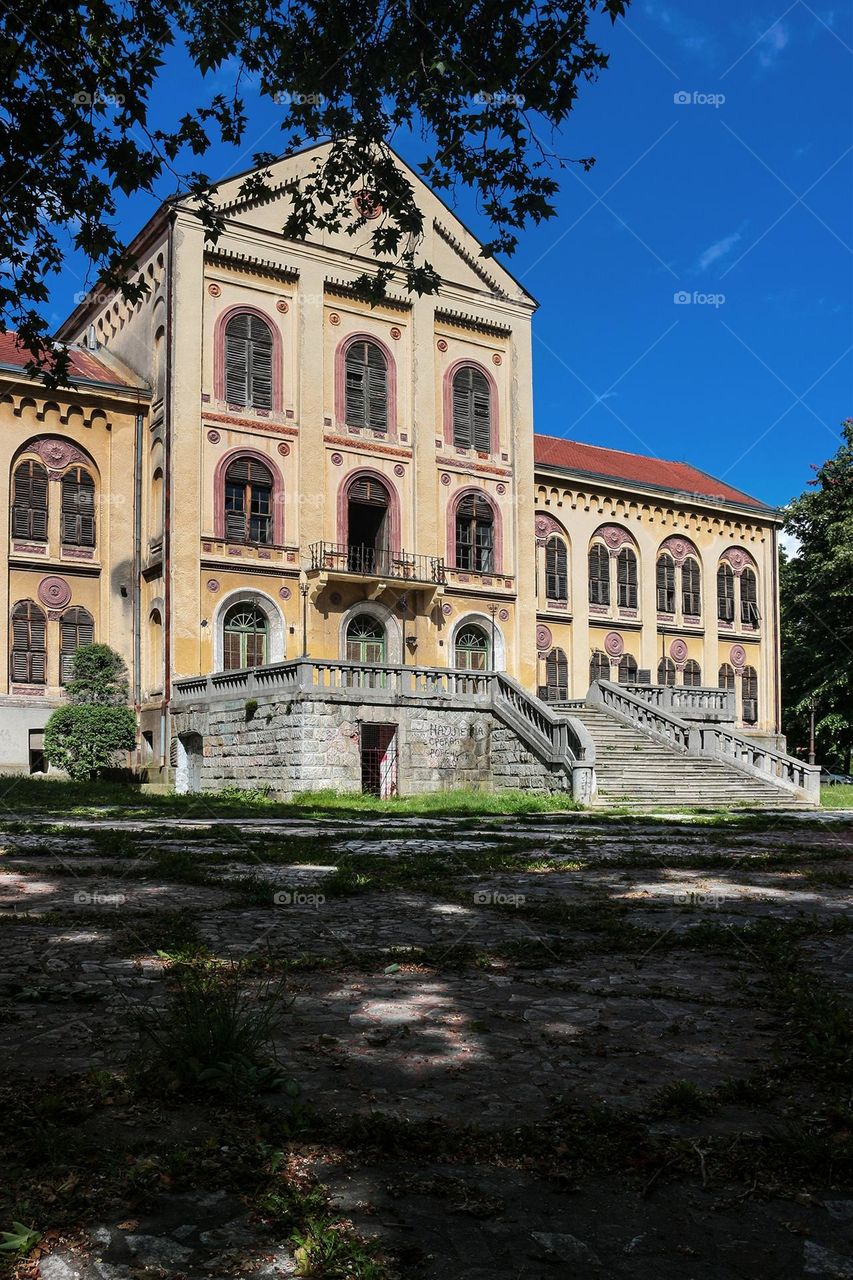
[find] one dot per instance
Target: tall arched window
(691, 588)
(749, 614)
(666, 671)
(475, 534)
(248, 502)
(692, 676)
(472, 410)
(726, 677)
(28, 659)
(29, 501)
(78, 508)
(599, 666)
(626, 579)
(665, 579)
(725, 593)
(245, 637)
(749, 689)
(556, 569)
(472, 648)
(366, 641)
(627, 669)
(366, 386)
(557, 675)
(599, 574)
(248, 361)
(76, 628)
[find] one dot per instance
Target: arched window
(725, 593)
(556, 569)
(726, 677)
(692, 675)
(627, 669)
(29, 501)
(472, 410)
(155, 652)
(76, 628)
(666, 671)
(749, 689)
(245, 637)
(472, 648)
(599, 574)
(366, 641)
(749, 614)
(626, 579)
(248, 501)
(475, 534)
(665, 578)
(366, 386)
(557, 675)
(78, 508)
(28, 662)
(691, 588)
(248, 361)
(599, 666)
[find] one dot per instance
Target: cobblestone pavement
(525, 1047)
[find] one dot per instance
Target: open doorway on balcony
(368, 521)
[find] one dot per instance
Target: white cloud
(790, 544)
(772, 43)
(718, 250)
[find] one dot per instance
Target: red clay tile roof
(83, 363)
(634, 467)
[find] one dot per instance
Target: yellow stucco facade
(437, 542)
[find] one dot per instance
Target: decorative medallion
(545, 526)
(337, 460)
(213, 437)
(212, 585)
(284, 593)
(441, 344)
(737, 559)
(678, 651)
(396, 333)
(399, 470)
(737, 656)
(366, 205)
(504, 615)
(54, 592)
(447, 609)
(57, 454)
(334, 318)
(282, 306)
(679, 549)
(613, 535)
(614, 645)
(544, 639)
(335, 598)
(445, 478)
(501, 489)
(214, 290)
(284, 450)
(496, 359)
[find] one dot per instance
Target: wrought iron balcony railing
(368, 562)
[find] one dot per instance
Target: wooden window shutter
(377, 388)
(556, 570)
(28, 663)
(356, 378)
(472, 416)
(462, 424)
(78, 508)
(76, 628)
(368, 491)
(260, 352)
(29, 501)
(237, 360)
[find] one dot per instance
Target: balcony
(332, 560)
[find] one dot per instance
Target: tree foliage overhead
(482, 82)
(817, 611)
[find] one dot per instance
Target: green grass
(838, 797)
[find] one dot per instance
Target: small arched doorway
(368, 526)
(245, 637)
(472, 648)
(365, 641)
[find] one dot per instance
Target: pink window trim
(393, 505)
(447, 392)
(219, 353)
(341, 379)
(219, 492)
(497, 527)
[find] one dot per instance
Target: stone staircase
(633, 768)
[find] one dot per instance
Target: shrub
(98, 675)
(83, 740)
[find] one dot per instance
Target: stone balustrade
(689, 702)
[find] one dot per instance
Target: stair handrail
(658, 723)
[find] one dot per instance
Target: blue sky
(724, 175)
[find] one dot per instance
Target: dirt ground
(528, 1047)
